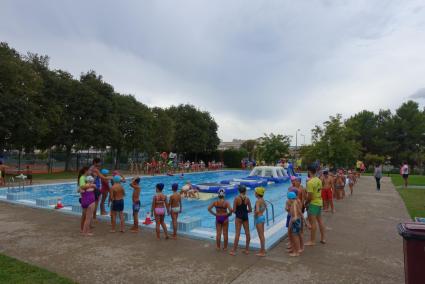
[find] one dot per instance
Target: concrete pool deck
(363, 247)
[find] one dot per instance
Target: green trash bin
(413, 234)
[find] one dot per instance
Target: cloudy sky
(257, 66)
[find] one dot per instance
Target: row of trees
(373, 137)
(43, 108)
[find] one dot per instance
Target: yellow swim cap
(260, 190)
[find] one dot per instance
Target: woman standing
(241, 207)
(378, 175)
(404, 171)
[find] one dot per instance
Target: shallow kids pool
(195, 221)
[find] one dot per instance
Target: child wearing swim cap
(159, 206)
(222, 213)
(295, 228)
(176, 207)
(117, 199)
(135, 185)
(259, 218)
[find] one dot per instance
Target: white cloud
(258, 67)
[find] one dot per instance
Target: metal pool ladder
(12, 184)
(267, 212)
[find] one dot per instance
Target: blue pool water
(275, 193)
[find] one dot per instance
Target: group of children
(319, 193)
(93, 183)
(321, 189)
(241, 208)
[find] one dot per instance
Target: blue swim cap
(292, 195)
(117, 179)
(104, 171)
(160, 186)
(174, 186)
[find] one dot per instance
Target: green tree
(273, 147)
(132, 126)
(333, 144)
(20, 85)
(232, 157)
(249, 146)
(364, 127)
(195, 131)
(408, 133)
(163, 130)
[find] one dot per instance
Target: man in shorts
(327, 192)
(315, 203)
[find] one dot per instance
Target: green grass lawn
(62, 175)
(414, 199)
(413, 180)
(15, 271)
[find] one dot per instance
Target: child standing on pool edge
(117, 198)
(259, 218)
(136, 203)
(222, 213)
(176, 207)
(242, 207)
(159, 205)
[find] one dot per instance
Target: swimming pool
(195, 220)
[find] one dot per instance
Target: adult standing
(315, 203)
(94, 171)
(378, 175)
(404, 171)
(3, 168)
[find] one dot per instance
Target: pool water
(192, 208)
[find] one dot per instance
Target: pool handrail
(267, 211)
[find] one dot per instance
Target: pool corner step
(47, 201)
(186, 223)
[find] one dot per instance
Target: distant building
(235, 144)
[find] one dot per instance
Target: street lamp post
(296, 142)
(296, 139)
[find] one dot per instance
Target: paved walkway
(363, 247)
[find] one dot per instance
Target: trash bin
(414, 251)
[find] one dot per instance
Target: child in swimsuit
(86, 189)
(340, 184)
(295, 225)
(135, 185)
(117, 198)
(104, 190)
(351, 181)
(176, 207)
(159, 206)
(241, 208)
(259, 218)
(222, 213)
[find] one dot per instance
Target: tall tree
(273, 147)
(132, 126)
(163, 130)
(334, 144)
(195, 131)
(20, 85)
(408, 132)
